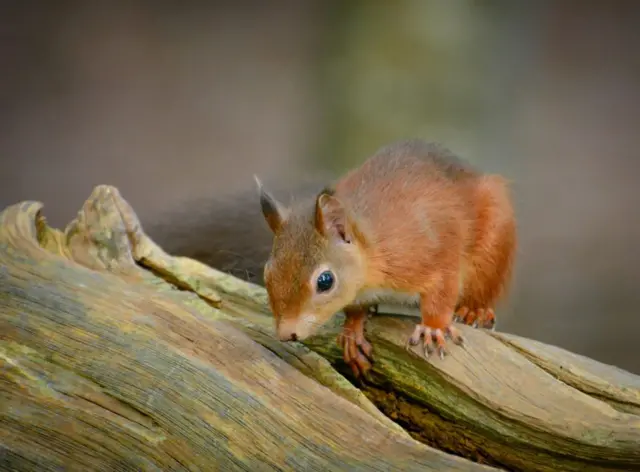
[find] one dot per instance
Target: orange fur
(412, 222)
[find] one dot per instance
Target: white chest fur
(388, 297)
(392, 301)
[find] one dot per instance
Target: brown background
(180, 103)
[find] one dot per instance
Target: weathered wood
(106, 365)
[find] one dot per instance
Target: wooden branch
(117, 356)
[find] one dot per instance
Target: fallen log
(117, 356)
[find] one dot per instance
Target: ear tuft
(331, 217)
(258, 182)
(273, 212)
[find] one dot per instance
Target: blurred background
(182, 102)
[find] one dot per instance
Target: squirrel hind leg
(478, 318)
(492, 253)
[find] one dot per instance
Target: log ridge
(117, 356)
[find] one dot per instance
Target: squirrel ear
(331, 217)
(273, 212)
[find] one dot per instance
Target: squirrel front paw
(434, 338)
(358, 352)
(479, 318)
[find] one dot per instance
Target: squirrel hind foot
(478, 318)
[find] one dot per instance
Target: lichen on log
(117, 356)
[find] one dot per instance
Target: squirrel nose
(287, 333)
(289, 337)
(288, 330)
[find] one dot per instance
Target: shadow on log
(117, 356)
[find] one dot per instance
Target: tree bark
(117, 356)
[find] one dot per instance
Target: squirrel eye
(324, 282)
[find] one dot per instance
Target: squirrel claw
(434, 339)
(358, 354)
(441, 353)
(479, 318)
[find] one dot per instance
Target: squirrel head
(317, 264)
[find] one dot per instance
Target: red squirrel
(412, 225)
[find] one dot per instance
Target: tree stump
(117, 356)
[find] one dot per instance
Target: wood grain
(117, 356)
